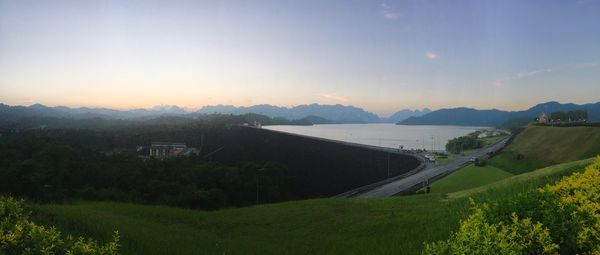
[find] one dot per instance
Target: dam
(319, 167)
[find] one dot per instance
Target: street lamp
(257, 179)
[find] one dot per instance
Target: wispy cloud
(525, 74)
(585, 65)
(334, 97)
(431, 55)
(520, 75)
(389, 12)
(531, 73)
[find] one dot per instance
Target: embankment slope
(541, 146)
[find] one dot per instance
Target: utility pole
(388, 175)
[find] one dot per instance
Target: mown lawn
(469, 177)
(396, 225)
(544, 146)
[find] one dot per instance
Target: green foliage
(469, 142)
(578, 115)
(43, 170)
(477, 235)
(18, 235)
(563, 220)
(563, 217)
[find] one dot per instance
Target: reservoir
(383, 135)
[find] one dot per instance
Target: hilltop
(541, 146)
(493, 117)
(308, 113)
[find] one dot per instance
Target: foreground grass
(469, 177)
(332, 226)
(320, 226)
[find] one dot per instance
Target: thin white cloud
(389, 12)
(520, 75)
(431, 55)
(334, 97)
(531, 73)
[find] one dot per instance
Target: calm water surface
(384, 135)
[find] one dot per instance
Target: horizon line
(196, 109)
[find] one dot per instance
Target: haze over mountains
(320, 113)
(330, 113)
(335, 113)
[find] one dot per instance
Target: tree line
(468, 142)
(569, 116)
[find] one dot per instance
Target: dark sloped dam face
(319, 168)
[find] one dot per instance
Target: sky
(382, 56)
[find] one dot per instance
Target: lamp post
(388, 168)
(258, 172)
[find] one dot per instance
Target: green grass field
(487, 141)
(516, 183)
(545, 146)
(320, 226)
(469, 177)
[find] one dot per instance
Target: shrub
(478, 236)
(18, 235)
(562, 220)
(563, 217)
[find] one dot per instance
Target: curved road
(429, 173)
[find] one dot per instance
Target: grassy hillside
(545, 146)
(320, 226)
(532, 179)
(469, 177)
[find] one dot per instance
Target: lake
(383, 135)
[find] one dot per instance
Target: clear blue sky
(379, 55)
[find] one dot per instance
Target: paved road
(429, 173)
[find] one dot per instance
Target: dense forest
(40, 168)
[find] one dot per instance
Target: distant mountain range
(405, 114)
(473, 117)
(313, 112)
(38, 110)
(334, 113)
